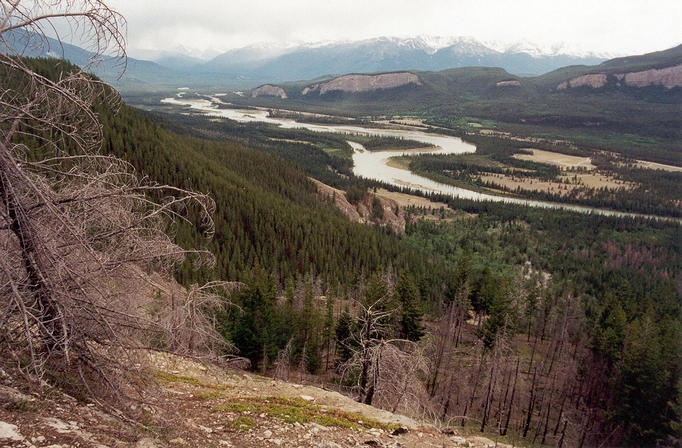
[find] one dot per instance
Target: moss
(297, 410)
(22, 406)
(209, 395)
(166, 377)
(242, 423)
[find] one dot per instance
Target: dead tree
(369, 336)
(531, 403)
(389, 371)
(511, 400)
(79, 230)
(284, 358)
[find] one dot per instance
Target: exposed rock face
(269, 90)
(392, 216)
(364, 83)
(202, 391)
(595, 81)
(511, 82)
(668, 77)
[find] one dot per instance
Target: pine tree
(253, 330)
(410, 314)
(328, 333)
(500, 313)
(643, 386)
(344, 329)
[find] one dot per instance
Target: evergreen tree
(253, 329)
(344, 329)
(501, 314)
(312, 354)
(376, 291)
(410, 314)
(462, 275)
(609, 332)
(328, 334)
(483, 291)
(643, 386)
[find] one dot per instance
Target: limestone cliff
(391, 216)
(668, 77)
(363, 83)
(510, 82)
(595, 81)
(269, 90)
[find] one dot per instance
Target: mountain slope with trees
(543, 326)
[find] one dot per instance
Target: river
(374, 164)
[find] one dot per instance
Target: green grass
(292, 410)
(464, 122)
(21, 405)
(338, 152)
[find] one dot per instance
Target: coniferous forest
(544, 326)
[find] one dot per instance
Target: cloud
(605, 26)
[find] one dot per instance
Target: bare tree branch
(80, 231)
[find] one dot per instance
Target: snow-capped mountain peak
(552, 49)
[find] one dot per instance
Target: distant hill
(109, 69)
(659, 69)
(170, 72)
(655, 77)
(634, 101)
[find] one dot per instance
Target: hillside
(573, 315)
(198, 404)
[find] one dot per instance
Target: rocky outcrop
(269, 90)
(363, 83)
(192, 404)
(595, 81)
(391, 216)
(511, 82)
(668, 77)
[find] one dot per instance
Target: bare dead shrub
(79, 229)
(387, 373)
(284, 359)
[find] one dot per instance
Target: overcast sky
(606, 26)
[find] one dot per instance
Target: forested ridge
(268, 214)
(543, 325)
(599, 266)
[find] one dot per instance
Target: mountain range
(266, 63)
(387, 54)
